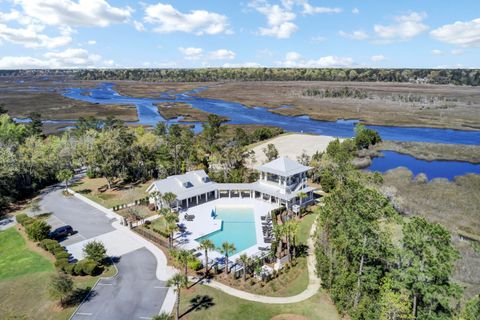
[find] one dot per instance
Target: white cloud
(138, 26)
(168, 19)
(355, 35)
(378, 58)
(466, 34)
(405, 27)
(15, 15)
(437, 52)
(70, 58)
(191, 53)
(295, 60)
(222, 54)
(92, 42)
(308, 8)
(355, 11)
(278, 18)
(74, 13)
(31, 36)
(457, 52)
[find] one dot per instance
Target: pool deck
(204, 224)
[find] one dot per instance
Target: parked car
(61, 232)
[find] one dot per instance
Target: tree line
(435, 76)
(375, 263)
(109, 149)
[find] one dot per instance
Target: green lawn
(24, 280)
(95, 190)
(16, 259)
(204, 303)
(304, 228)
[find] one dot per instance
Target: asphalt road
(135, 293)
(85, 219)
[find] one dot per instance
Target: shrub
(54, 248)
(78, 268)
(86, 267)
(194, 264)
(95, 250)
(151, 206)
(61, 263)
(91, 268)
(46, 243)
(62, 255)
(38, 230)
(91, 173)
(21, 218)
(148, 222)
(69, 269)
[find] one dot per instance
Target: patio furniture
(189, 217)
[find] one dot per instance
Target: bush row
(81, 268)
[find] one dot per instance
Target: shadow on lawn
(199, 302)
(77, 296)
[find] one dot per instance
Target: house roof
(283, 166)
(185, 185)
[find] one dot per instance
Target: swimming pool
(238, 227)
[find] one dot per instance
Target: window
(187, 184)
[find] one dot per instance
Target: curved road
(135, 292)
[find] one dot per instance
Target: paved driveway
(85, 219)
(135, 293)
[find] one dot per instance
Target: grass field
(172, 110)
(53, 106)
(460, 114)
(16, 259)
(433, 151)
(204, 303)
(25, 272)
(94, 189)
(453, 204)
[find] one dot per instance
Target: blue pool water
(433, 169)
(238, 227)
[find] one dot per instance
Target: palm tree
(169, 197)
(279, 232)
(301, 196)
(293, 229)
(171, 228)
(290, 230)
(156, 195)
(206, 245)
(226, 249)
(65, 175)
(184, 257)
(245, 261)
(178, 282)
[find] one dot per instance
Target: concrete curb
(163, 272)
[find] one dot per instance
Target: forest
(375, 262)
(109, 149)
(469, 77)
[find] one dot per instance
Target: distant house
(282, 181)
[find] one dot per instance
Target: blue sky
(283, 33)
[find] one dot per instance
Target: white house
(281, 182)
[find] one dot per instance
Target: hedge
(22, 217)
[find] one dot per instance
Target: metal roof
(283, 166)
